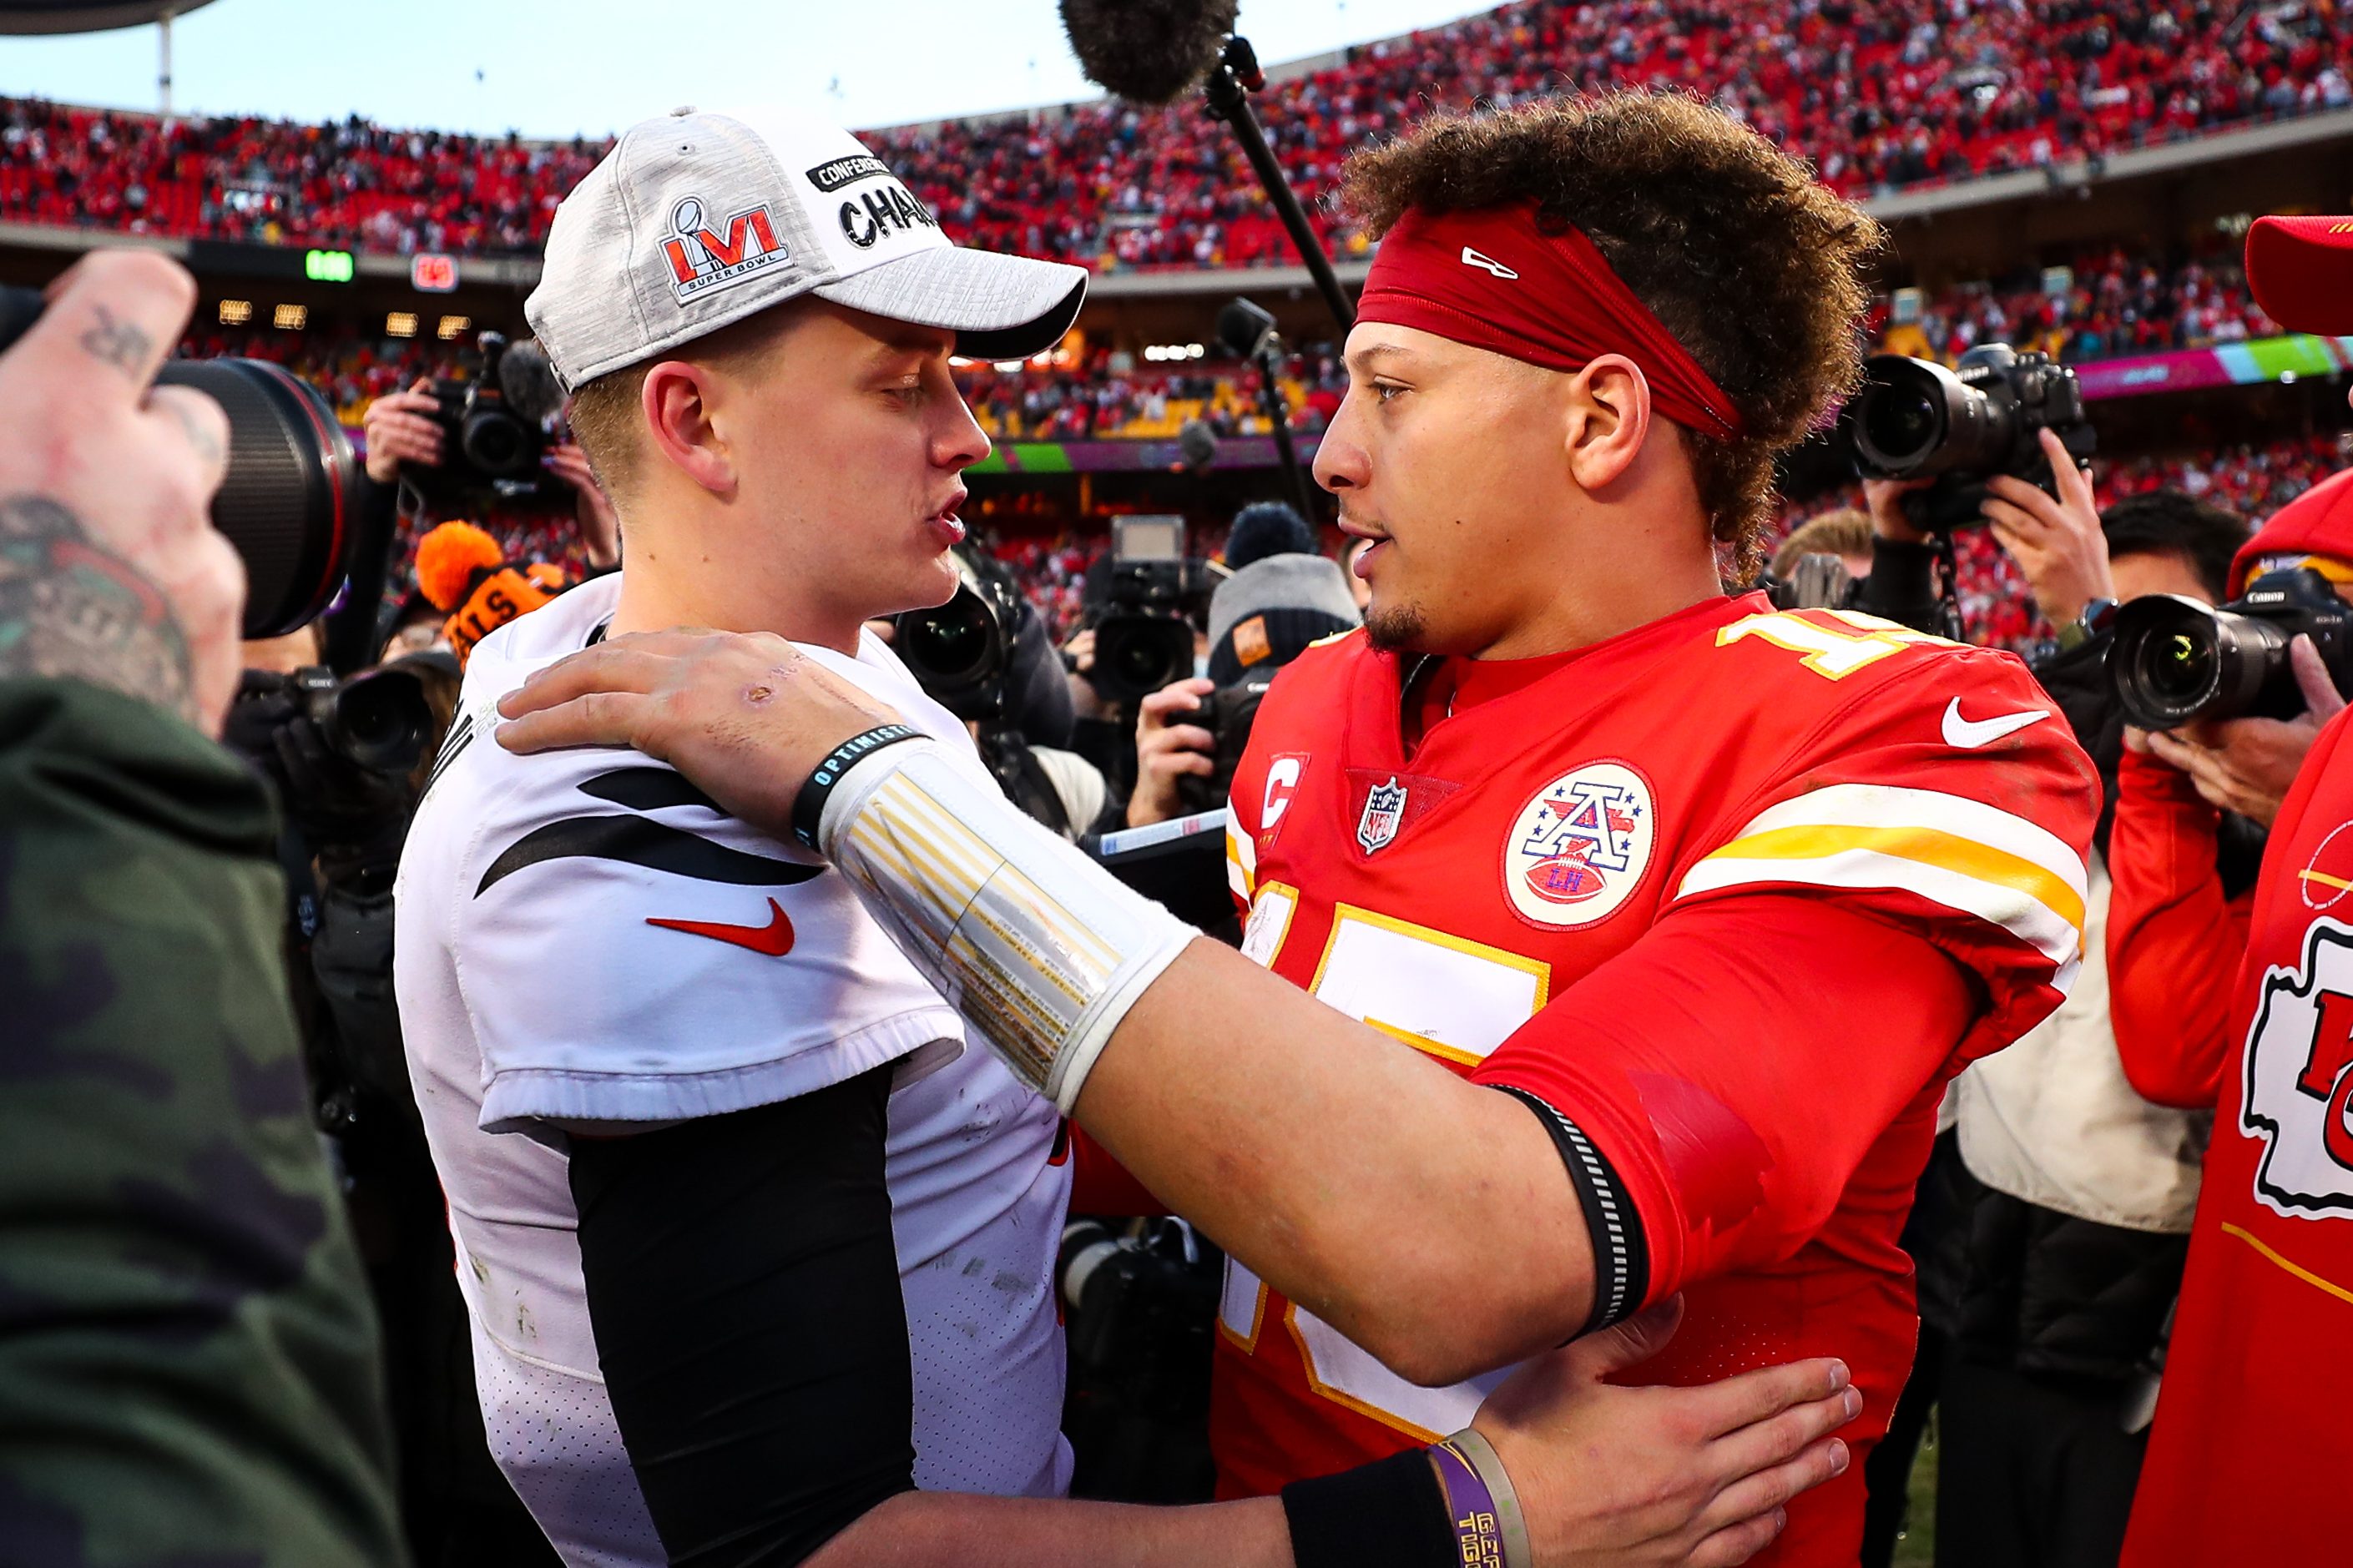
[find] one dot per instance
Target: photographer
(189, 1371)
(1282, 596)
(407, 431)
(345, 761)
(2179, 924)
(2248, 1446)
(2053, 1226)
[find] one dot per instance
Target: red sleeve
(1101, 1184)
(2174, 942)
(1724, 1077)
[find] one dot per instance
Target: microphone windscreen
(1147, 51)
(1198, 443)
(529, 381)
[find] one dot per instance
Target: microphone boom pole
(1227, 91)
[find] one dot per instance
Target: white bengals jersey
(582, 936)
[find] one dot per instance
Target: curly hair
(1755, 268)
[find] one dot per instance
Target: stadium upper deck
(1883, 97)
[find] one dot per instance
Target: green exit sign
(327, 265)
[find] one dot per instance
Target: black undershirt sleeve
(745, 1292)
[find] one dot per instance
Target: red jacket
(2246, 1460)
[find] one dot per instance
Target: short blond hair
(606, 415)
(1842, 534)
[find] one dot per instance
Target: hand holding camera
(600, 524)
(402, 427)
(109, 569)
(1168, 749)
(2245, 766)
(2055, 539)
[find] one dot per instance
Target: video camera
(1913, 419)
(493, 427)
(2176, 661)
(1145, 639)
(288, 502)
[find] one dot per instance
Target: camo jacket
(188, 1357)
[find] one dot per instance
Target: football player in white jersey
(753, 1247)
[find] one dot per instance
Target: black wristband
(1390, 1513)
(1621, 1252)
(808, 806)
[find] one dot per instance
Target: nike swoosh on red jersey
(1967, 734)
(774, 939)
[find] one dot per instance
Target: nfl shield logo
(1384, 807)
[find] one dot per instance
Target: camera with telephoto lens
(960, 651)
(377, 719)
(487, 441)
(289, 500)
(1913, 419)
(1145, 639)
(2176, 661)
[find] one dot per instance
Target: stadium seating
(1881, 96)
(2118, 302)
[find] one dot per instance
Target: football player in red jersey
(1643, 925)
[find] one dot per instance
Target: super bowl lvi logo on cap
(703, 260)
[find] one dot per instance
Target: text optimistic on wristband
(808, 806)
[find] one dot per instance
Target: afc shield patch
(2298, 1066)
(1579, 848)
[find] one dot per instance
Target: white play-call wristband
(1039, 948)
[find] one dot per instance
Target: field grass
(1917, 1547)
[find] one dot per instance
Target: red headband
(1494, 279)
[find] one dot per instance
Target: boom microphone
(1147, 51)
(528, 383)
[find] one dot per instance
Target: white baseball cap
(696, 220)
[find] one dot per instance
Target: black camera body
(377, 719)
(959, 652)
(1913, 419)
(1142, 1300)
(1227, 713)
(487, 443)
(2176, 661)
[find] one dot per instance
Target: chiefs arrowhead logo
(2299, 1078)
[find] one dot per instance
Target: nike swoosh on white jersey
(1970, 733)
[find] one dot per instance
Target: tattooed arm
(110, 570)
(70, 608)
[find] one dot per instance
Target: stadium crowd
(1881, 97)
(347, 1302)
(2110, 303)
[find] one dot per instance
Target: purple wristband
(1471, 1511)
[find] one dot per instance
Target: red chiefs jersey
(2250, 1444)
(1565, 889)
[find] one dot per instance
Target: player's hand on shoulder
(1633, 1477)
(745, 717)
